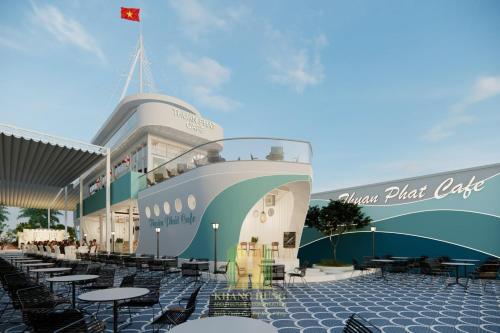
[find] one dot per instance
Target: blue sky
(382, 89)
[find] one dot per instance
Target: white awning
(35, 166)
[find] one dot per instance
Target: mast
(141, 62)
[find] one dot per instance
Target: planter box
(334, 270)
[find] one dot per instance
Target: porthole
(191, 202)
(166, 208)
(156, 210)
(148, 212)
(178, 205)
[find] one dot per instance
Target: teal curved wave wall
(447, 226)
(359, 244)
(229, 209)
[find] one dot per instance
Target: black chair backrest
(128, 281)
(237, 304)
(279, 272)
(37, 297)
(191, 304)
(356, 324)
(80, 269)
(83, 325)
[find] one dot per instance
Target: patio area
(402, 303)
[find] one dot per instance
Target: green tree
(4, 217)
(312, 216)
(37, 218)
(335, 219)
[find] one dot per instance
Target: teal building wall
(454, 226)
(124, 188)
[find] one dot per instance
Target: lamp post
(158, 242)
(113, 241)
(85, 238)
(215, 226)
(373, 229)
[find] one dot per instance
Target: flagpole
(141, 60)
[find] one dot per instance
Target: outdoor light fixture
(373, 229)
(215, 226)
(263, 215)
(158, 242)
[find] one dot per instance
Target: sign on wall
(463, 183)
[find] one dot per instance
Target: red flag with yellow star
(131, 14)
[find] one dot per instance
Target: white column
(101, 230)
(108, 199)
(65, 212)
(81, 202)
(130, 228)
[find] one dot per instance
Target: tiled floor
(401, 304)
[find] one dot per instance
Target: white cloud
(65, 29)
(483, 89)
(213, 100)
(294, 67)
(196, 19)
(205, 78)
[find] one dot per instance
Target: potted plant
(254, 239)
(333, 220)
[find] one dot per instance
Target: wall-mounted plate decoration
(270, 211)
(270, 200)
(289, 239)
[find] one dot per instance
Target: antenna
(139, 56)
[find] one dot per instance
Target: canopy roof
(34, 167)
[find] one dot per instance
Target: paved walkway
(401, 304)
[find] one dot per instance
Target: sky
(382, 89)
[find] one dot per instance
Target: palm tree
(4, 217)
(37, 218)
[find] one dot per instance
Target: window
(178, 205)
(191, 202)
(166, 208)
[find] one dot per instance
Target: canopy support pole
(130, 227)
(66, 212)
(108, 199)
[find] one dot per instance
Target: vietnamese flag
(131, 14)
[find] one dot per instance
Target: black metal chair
(128, 280)
(178, 314)
(56, 321)
(359, 267)
(190, 272)
(147, 301)
(300, 272)
(84, 325)
(487, 272)
(37, 303)
(105, 280)
(278, 274)
(357, 324)
(221, 270)
(238, 304)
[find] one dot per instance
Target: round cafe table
(51, 271)
(222, 324)
(457, 274)
(73, 279)
(25, 260)
(36, 264)
(383, 263)
(113, 295)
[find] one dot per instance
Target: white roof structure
(35, 167)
